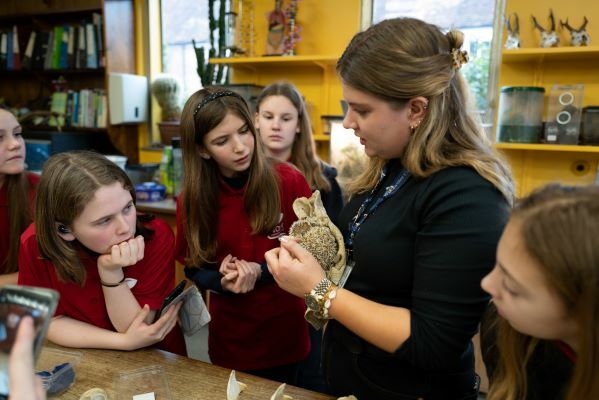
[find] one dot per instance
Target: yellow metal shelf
(554, 53)
(547, 147)
(278, 60)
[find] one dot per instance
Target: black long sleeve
(426, 249)
(205, 278)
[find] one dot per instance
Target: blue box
(37, 153)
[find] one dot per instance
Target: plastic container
(140, 173)
(177, 166)
(166, 169)
(121, 161)
(520, 117)
(590, 126)
(136, 382)
(57, 369)
(150, 191)
(563, 114)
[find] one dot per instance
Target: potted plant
(167, 92)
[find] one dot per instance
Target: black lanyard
(367, 209)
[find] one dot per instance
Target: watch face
(312, 302)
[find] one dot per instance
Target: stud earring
(63, 229)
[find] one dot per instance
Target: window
(474, 18)
(182, 21)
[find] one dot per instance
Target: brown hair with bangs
(201, 176)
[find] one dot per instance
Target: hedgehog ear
(302, 207)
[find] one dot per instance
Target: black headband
(214, 96)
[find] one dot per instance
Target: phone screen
(15, 303)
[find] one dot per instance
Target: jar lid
(507, 89)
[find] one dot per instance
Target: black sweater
(426, 249)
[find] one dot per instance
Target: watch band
(319, 299)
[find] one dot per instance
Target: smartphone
(15, 303)
(170, 299)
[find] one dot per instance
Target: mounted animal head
(549, 37)
(578, 37)
(513, 32)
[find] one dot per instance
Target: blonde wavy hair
(402, 58)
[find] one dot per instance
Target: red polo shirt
(263, 328)
(155, 275)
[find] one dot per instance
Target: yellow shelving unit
(589, 53)
(547, 147)
(312, 69)
(535, 165)
(295, 61)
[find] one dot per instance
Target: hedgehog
(318, 235)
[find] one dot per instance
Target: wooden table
(187, 378)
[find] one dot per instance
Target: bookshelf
(32, 86)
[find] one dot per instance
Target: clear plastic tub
(562, 124)
(57, 369)
(137, 382)
(520, 118)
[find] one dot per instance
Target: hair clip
(459, 58)
(214, 96)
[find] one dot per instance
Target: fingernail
(284, 239)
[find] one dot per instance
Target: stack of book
(68, 46)
(86, 108)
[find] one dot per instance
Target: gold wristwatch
(315, 299)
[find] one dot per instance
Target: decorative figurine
(275, 42)
(513, 33)
(293, 30)
(548, 38)
(578, 37)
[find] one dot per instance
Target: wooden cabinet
(326, 29)
(32, 87)
(535, 165)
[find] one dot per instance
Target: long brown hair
(201, 177)
(69, 181)
(20, 214)
(402, 58)
(559, 229)
(303, 151)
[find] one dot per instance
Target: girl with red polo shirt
(543, 342)
(112, 267)
(17, 193)
(234, 206)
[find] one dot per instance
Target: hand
(294, 269)
(227, 265)
(243, 278)
(140, 334)
(122, 255)
(24, 383)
